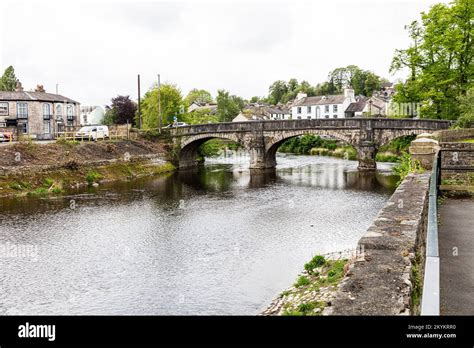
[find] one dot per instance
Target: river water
(211, 241)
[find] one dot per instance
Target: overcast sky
(95, 49)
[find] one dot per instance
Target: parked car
(6, 136)
(92, 132)
(177, 124)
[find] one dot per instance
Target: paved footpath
(456, 235)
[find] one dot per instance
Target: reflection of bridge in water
(262, 138)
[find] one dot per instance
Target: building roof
(35, 96)
(320, 100)
(358, 106)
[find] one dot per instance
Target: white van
(93, 132)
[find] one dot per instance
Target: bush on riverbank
(406, 166)
(303, 145)
(314, 289)
(346, 152)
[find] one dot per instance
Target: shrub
(315, 262)
(93, 176)
(406, 166)
(302, 281)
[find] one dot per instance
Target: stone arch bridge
(262, 138)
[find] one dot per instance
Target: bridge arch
(350, 137)
(384, 136)
(188, 152)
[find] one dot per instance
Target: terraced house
(37, 114)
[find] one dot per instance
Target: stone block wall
(386, 278)
(457, 167)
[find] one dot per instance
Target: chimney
(301, 95)
(18, 87)
(40, 88)
(349, 93)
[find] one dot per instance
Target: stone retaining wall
(457, 167)
(381, 281)
(454, 134)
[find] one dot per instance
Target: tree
(122, 110)
(199, 96)
(228, 106)
(466, 106)
(172, 105)
(200, 116)
(8, 81)
(363, 82)
(276, 91)
(439, 59)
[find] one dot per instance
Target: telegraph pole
(139, 113)
(160, 121)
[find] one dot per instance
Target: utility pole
(139, 113)
(160, 121)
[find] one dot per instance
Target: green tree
(439, 59)
(277, 91)
(466, 106)
(171, 105)
(199, 96)
(200, 116)
(109, 116)
(363, 82)
(8, 81)
(228, 106)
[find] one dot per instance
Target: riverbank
(53, 168)
(315, 288)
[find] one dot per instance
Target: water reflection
(216, 240)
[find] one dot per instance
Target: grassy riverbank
(59, 180)
(313, 290)
(37, 169)
(315, 145)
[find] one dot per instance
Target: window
(308, 117)
(46, 127)
(326, 108)
(59, 111)
(22, 110)
(46, 111)
(24, 127)
(298, 110)
(308, 109)
(70, 123)
(70, 112)
(3, 109)
(318, 112)
(334, 116)
(334, 108)
(327, 116)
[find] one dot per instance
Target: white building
(325, 106)
(91, 115)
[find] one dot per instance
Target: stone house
(37, 114)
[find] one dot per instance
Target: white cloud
(94, 50)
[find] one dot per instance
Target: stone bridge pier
(262, 138)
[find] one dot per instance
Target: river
(211, 241)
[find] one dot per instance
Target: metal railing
(430, 297)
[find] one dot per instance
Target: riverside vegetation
(30, 169)
(313, 290)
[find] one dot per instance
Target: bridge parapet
(282, 125)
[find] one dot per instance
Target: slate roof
(320, 100)
(35, 96)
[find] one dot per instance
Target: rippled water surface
(213, 241)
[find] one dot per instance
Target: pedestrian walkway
(456, 251)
